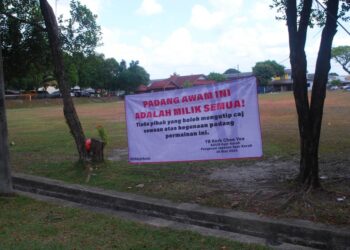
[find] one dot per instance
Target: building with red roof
(141, 89)
(178, 82)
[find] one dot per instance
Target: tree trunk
(96, 150)
(68, 107)
(323, 67)
(5, 171)
(309, 116)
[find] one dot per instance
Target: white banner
(219, 121)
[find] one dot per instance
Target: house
(285, 82)
(282, 83)
(176, 81)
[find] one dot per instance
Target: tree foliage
(80, 32)
(341, 55)
(216, 77)
(317, 13)
(265, 70)
(27, 57)
(232, 71)
(24, 44)
(131, 77)
(336, 83)
(97, 72)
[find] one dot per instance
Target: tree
(90, 71)
(111, 71)
(299, 17)
(129, 78)
(231, 71)
(217, 77)
(27, 58)
(72, 73)
(57, 55)
(341, 55)
(265, 70)
(25, 46)
(81, 34)
(5, 172)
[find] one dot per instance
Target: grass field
(42, 145)
(27, 224)
(278, 120)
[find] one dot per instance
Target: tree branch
(41, 28)
(304, 22)
(343, 64)
(291, 14)
(346, 69)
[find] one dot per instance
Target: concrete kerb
(275, 231)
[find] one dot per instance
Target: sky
(196, 36)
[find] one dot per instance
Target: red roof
(176, 81)
(203, 82)
(142, 88)
(162, 84)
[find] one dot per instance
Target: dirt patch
(264, 186)
(259, 175)
(268, 187)
(269, 173)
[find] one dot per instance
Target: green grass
(43, 146)
(28, 224)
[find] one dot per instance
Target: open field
(28, 224)
(42, 145)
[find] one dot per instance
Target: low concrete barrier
(275, 231)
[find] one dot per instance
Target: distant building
(282, 83)
(285, 82)
(175, 82)
(141, 89)
(236, 76)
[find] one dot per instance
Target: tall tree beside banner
(5, 172)
(299, 16)
(57, 56)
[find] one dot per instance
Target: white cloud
(94, 5)
(202, 19)
(216, 14)
(176, 49)
(262, 11)
(227, 5)
(148, 43)
(62, 7)
(149, 7)
(240, 38)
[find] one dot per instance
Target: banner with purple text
(218, 121)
